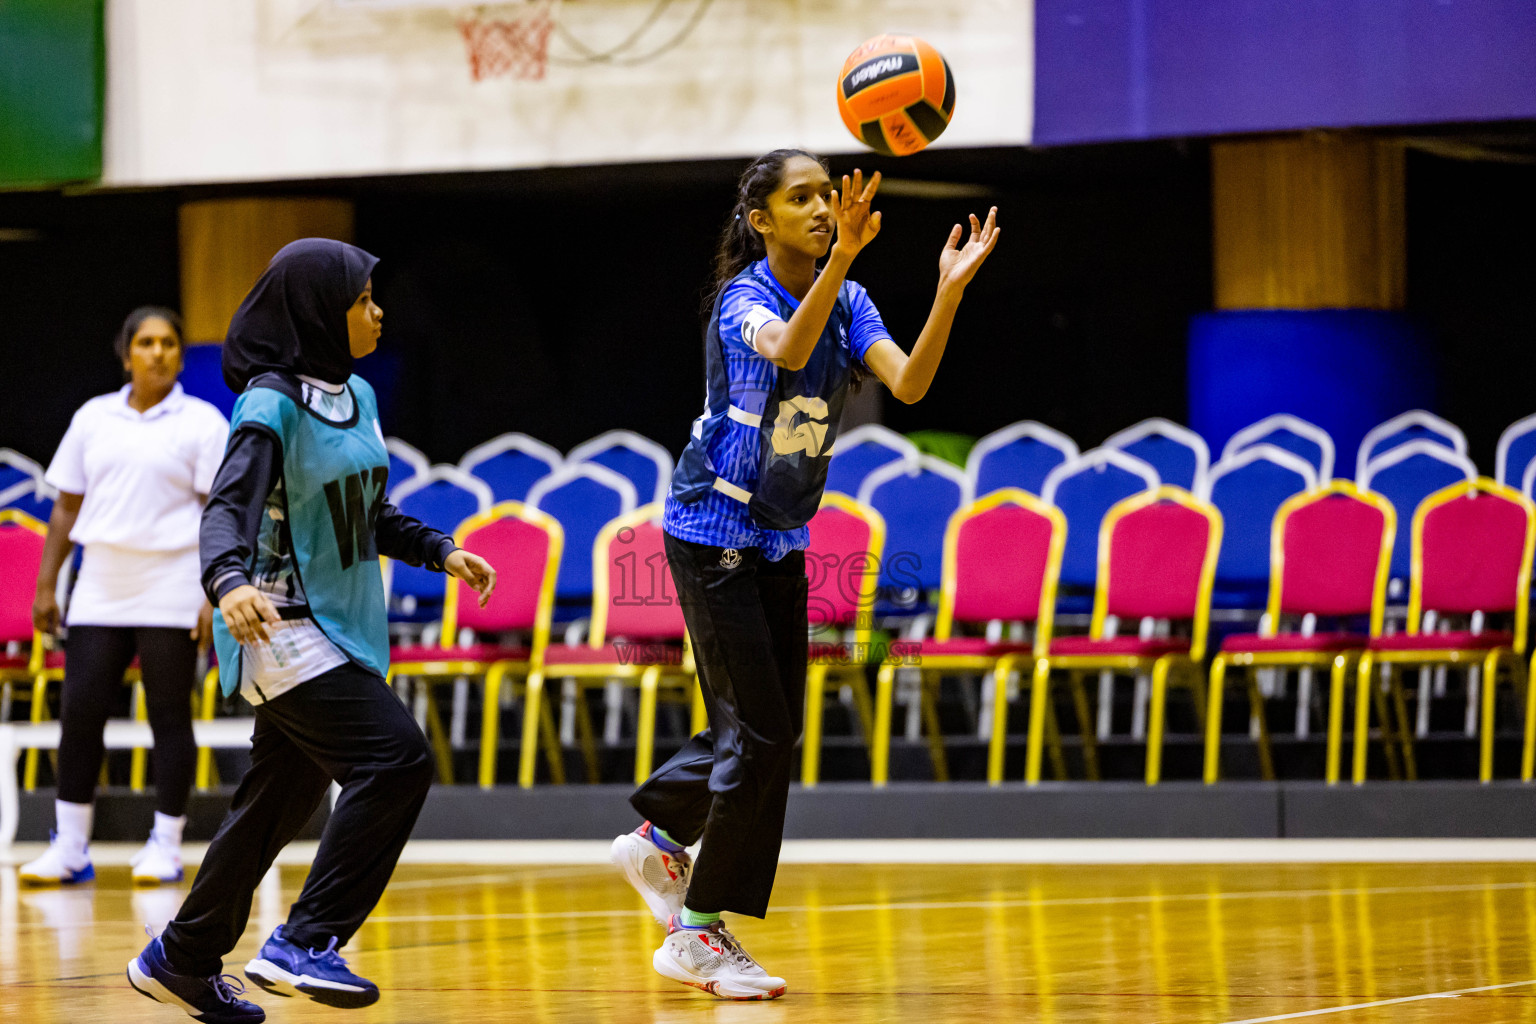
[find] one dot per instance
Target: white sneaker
(65, 862)
(712, 960)
(661, 878)
(157, 864)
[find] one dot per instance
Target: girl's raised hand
(958, 265)
(857, 225)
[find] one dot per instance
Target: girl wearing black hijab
(290, 544)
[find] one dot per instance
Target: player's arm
(909, 376)
(231, 527)
(789, 343)
(56, 548)
(407, 539)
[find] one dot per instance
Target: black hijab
(295, 318)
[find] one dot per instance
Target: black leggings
(346, 725)
(730, 783)
(93, 683)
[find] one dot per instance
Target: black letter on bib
(354, 539)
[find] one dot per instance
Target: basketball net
(508, 40)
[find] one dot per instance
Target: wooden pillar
(227, 243)
(1311, 221)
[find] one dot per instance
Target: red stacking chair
(842, 565)
(637, 632)
(1002, 557)
(23, 658)
(1330, 553)
(524, 545)
(1157, 561)
(1472, 546)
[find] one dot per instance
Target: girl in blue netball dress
(290, 545)
(783, 342)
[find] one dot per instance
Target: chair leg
(1213, 719)
(39, 714)
(490, 723)
(645, 728)
(552, 749)
(810, 746)
(438, 737)
(1256, 713)
(880, 748)
(1159, 705)
(1085, 723)
(139, 766)
(1362, 714)
(1528, 752)
(1338, 675)
(997, 745)
(1053, 744)
(863, 704)
(205, 770)
(527, 755)
(1388, 730)
(930, 710)
(1490, 681)
(586, 736)
(1405, 728)
(1039, 699)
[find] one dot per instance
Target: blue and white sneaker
(286, 969)
(65, 862)
(214, 1000)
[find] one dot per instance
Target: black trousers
(730, 783)
(344, 725)
(93, 686)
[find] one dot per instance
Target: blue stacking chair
(1406, 475)
(582, 497)
(511, 464)
(1084, 489)
(1180, 456)
(1248, 487)
(1020, 455)
(405, 461)
(863, 450)
(916, 498)
(442, 497)
(1516, 454)
(22, 487)
(1413, 425)
(640, 460)
(1293, 434)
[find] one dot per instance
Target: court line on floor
(1451, 994)
(560, 853)
(1067, 901)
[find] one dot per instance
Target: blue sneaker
(212, 1000)
(284, 968)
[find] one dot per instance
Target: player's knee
(415, 766)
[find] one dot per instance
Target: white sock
(73, 823)
(167, 830)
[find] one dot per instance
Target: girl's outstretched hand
(958, 265)
(857, 225)
(475, 571)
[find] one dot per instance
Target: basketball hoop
(508, 41)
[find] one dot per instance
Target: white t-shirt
(144, 475)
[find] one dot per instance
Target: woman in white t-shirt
(133, 472)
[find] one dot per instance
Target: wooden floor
(922, 943)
